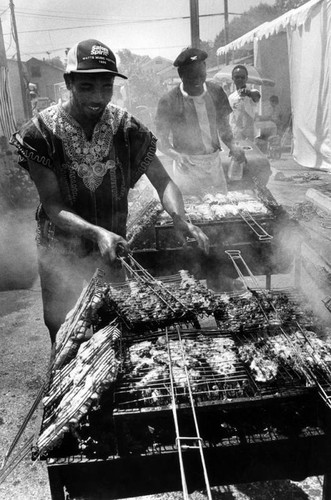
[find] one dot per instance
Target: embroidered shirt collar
(110, 117)
(185, 94)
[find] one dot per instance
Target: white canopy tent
(308, 30)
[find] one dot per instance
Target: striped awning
(290, 20)
(7, 118)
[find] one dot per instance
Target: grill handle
(260, 232)
(235, 256)
(327, 302)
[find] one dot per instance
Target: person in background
(189, 121)
(84, 156)
(117, 98)
(244, 105)
(274, 114)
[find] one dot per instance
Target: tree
(253, 18)
(209, 48)
(285, 5)
(144, 87)
(56, 61)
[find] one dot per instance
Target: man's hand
(184, 229)
(245, 92)
(238, 154)
(252, 94)
(183, 161)
(111, 245)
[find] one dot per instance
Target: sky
(146, 27)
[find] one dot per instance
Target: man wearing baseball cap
(84, 155)
(189, 121)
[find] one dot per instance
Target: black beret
(190, 55)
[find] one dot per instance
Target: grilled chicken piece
(210, 198)
(263, 368)
(180, 377)
(142, 365)
(298, 350)
(156, 374)
(223, 363)
(140, 349)
(253, 207)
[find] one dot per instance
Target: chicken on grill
(262, 367)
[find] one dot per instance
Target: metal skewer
(195, 441)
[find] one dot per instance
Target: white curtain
(310, 75)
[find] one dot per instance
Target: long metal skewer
(11, 465)
(197, 440)
(149, 279)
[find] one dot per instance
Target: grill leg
(58, 490)
(268, 281)
(327, 487)
(297, 267)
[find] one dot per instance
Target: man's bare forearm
(169, 194)
(58, 212)
(70, 222)
(172, 200)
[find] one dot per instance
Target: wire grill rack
(302, 344)
(216, 374)
(145, 303)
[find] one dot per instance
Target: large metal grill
(257, 235)
(191, 392)
(232, 224)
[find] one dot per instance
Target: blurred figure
(273, 113)
(117, 98)
(270, 127)
(244, 105)
(189, 121)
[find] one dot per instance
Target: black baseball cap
(92, 56)
(189, 56)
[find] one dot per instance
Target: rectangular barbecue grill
(204, 417)
(258, 236)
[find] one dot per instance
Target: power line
(118, 23)
(115, 50)
(30, 14)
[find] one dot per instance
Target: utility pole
(26, 106)
(3, 57)
(226, 27)
(194, 17)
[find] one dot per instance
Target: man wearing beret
(84, 155)
(189, 121)
(244, 104)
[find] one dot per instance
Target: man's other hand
(185, 229)
(183, 161)
(238, 154)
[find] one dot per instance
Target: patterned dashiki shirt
(94, 175)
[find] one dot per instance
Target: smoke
(298, 266)
(18, 260)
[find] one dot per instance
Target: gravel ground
(25, 350)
